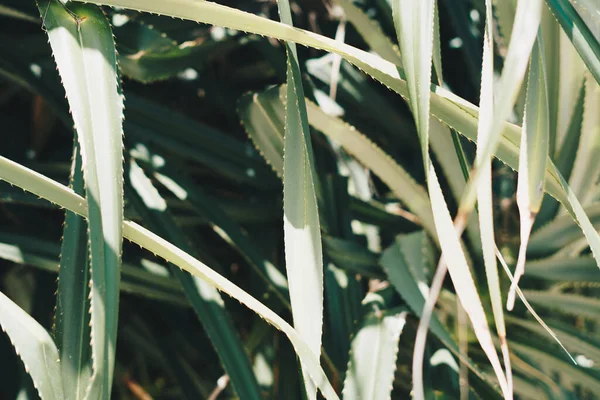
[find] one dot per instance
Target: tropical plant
(192, 140)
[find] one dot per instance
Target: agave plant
(213, 131)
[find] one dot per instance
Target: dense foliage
(324, 186)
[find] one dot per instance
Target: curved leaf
(35, 347)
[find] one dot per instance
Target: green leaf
(147, 55)
(484, 190)
(570, 375)
(230, 231)
(35, 347)
(408, 265)
(72, 326)
(84, 49)
(352, 257)
(261, 115)
(454, 111)
(302, 233)
(584, 344)
(29, 251)
(414, 27)
(534, 155)
(373, 357)
(586, 170)
(577, 30)
(371, 32)
(572, 304)
(559, 233)
(204, 298)
(59, 194)
(196, 141)
(580, 269)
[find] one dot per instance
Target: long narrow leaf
(72, 327)
(484, 190)
(583, 39)
(414, 27)
(534, 155)
(35, 347)
(302, 233)
(84, 50)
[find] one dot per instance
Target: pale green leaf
(35, 347)
(534, 155)
(373, 355)
(484, 190)
(579, 32)
(84, 51)
(371, 32)
(302, 233)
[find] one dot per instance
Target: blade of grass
(84, 50)
(534, 154)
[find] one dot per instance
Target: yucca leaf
(570, 374)
(484, 190)
(577, 30)
(565, 154)
(352, 257)
(525, 28)
(147, 55)
(72, 326)
(572, 72)
(227, 229)
(408, 264)
(580, 269)
(373, 356)
(302, 233)
(414, 27)
(205, 299)
(568, 303)
(454, 111)
(35, 347)
(559, 233)
(84, 50)
(586, 170)
(577, 341)
(371, 32)
(534, 155)
(136, 281)
(550, 31)
(261, 115)
(59, 194)
(196, 141)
